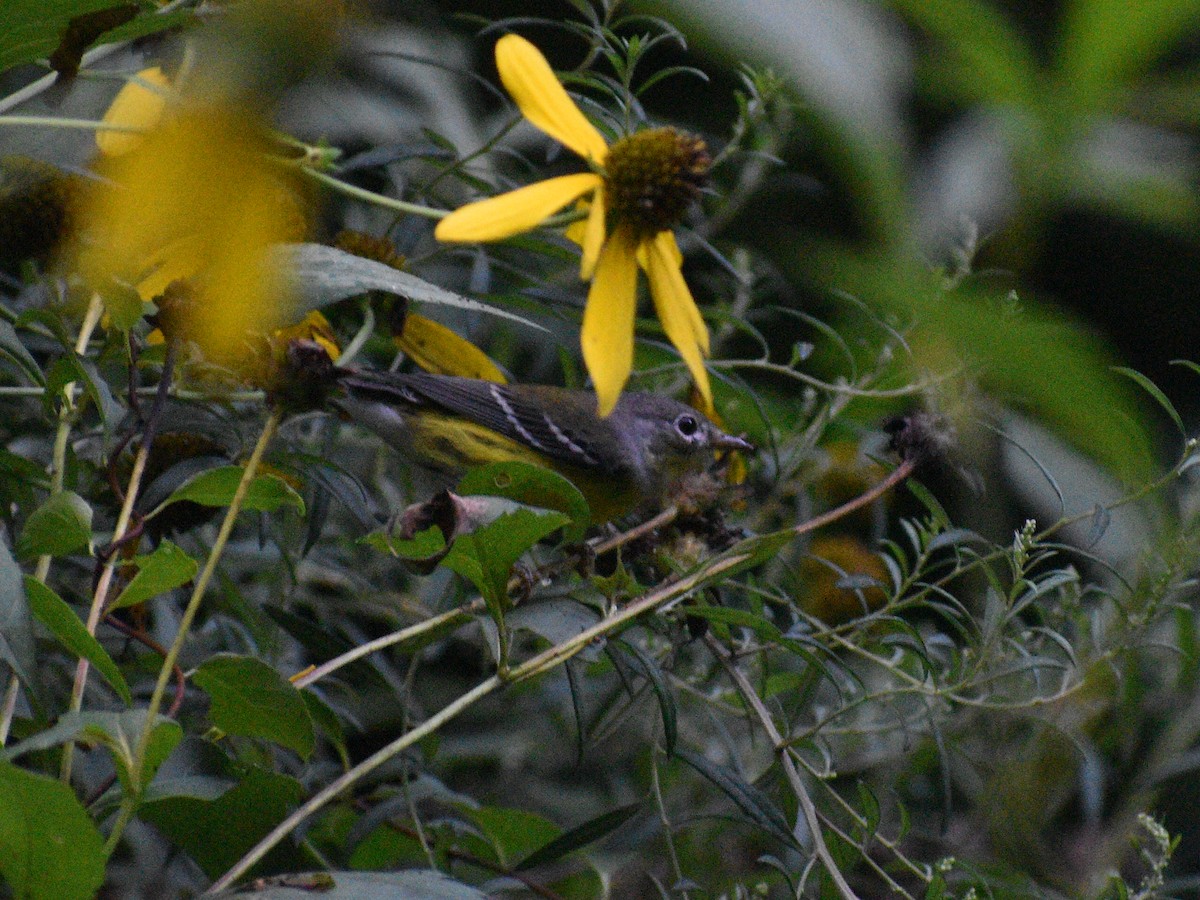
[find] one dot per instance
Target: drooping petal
(607, 333)
(531, 83)
(436, 348)
(139, 104)
(593, 235)
(521, 210)
(677, 311)
(668, 245)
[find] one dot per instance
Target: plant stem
(789, 766)
(463, 612)
(350, 190)
(368, 765)
(130, 802)
(77, 124)
(100, 594)
(66, 414)
(468, 609)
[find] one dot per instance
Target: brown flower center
(652, 177)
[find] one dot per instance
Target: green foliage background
(996, 696)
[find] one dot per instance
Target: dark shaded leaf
(14, 351)
(749, 799)
(217, 833)
(1154, 391)
(662, 690)
(580, 836)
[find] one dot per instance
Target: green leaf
(421, 546)
(1153, 390)
(217, 833)
(725, 615)
(53, 612)
(666, 700)
(216, 487)
(322, 275)
(485, 557)
(980, 57)
(123, 304)
(1106, 42)
(580, 836)
(749, 799)
(532, 486)
(15, 352)
(31, 29)
(49, 846)
(165, 569)
(16, 626)
(513, 833)
(59, 526)
(328, 722)
(251, 699)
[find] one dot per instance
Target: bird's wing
(528, 420)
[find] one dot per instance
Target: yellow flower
(139, 104)
(197, 199)
(637, 191)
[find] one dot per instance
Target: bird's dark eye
(687, 425)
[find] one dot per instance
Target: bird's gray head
(671, 439)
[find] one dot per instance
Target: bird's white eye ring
(687, 425)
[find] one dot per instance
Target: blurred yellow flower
(195, 197)
(636, 193)
(139, 104)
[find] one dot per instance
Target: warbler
(640, 453)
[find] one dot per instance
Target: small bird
(639, 454)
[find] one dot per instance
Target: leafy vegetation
(936, 638)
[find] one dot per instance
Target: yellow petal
(521, 210)
(607, 333)
(135, 106)
(593, 235)
(576, 231)
(531, 83)
(313, 327)
(183, 257)
(667, 245)
(670, 247)
(435, 348)
(677, 311)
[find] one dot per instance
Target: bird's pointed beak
(730, 442)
